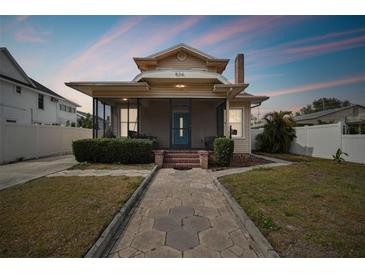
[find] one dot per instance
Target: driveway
(21, 172)
(183, 214)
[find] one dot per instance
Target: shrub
(223, 151)
(278, 133)
(338, 156)
(113, 150)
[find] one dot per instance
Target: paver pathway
(183, 214)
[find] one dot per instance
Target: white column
(226, 130)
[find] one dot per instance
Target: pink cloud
(232, 28)
(330, 46)
(304, 48)
(29, 34)
(316, 86)
(110, 57)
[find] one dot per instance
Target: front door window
(181, 128)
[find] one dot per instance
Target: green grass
(312, 208)
(99, 166)
(59, 216)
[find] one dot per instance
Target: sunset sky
(292, 59)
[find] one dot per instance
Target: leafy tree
(85, 122)
(278, 132)
(323, 104)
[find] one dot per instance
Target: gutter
(257, 105)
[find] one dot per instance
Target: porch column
(226, 128)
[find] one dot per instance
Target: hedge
(223, 151)
(113, 150)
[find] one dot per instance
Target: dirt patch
(240, 160)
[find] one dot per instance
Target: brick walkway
(183, 214)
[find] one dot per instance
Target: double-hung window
(236, 122)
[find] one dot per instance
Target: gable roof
(17, 66)
(319, 114)
(30, 82)
(151, 60)
(179, 47)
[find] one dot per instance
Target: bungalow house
(181, 100)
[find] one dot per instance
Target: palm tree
(278, 132)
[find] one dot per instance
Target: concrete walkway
(183, 214)
(21, 172)
(103, 172)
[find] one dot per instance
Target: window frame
(16, 89)
(126, 121)
(243, 135)
(40, 105)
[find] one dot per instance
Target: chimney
(239, 72)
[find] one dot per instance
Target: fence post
(340, 131)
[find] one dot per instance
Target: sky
(292, 59)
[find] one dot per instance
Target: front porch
(183, 123)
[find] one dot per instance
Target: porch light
(180, 86)
(125, 99)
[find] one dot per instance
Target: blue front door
(181, 129)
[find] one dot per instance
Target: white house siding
(7, 68)
(203, 121)
(23, 107)
(155, 120)
(243, 145)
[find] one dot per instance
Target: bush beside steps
(113, 150)
(223, 151)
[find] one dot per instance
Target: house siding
(190, 62)
(243, 145)
(155, 120)
(203, 121)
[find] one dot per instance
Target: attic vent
(54, 99)
(181, 56)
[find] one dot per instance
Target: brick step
(181, 155)
(181, 160)
(181, 151)
(180, 165)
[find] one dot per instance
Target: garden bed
(241, 160)
(60, 216)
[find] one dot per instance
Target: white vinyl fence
(33, 141)
(323, 141)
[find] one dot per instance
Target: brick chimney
(239, 71)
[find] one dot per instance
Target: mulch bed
(242, 160)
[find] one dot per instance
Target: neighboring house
(352, 118)
(180, 98)
(25, 101)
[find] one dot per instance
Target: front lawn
(59, 216)
(312, 208)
